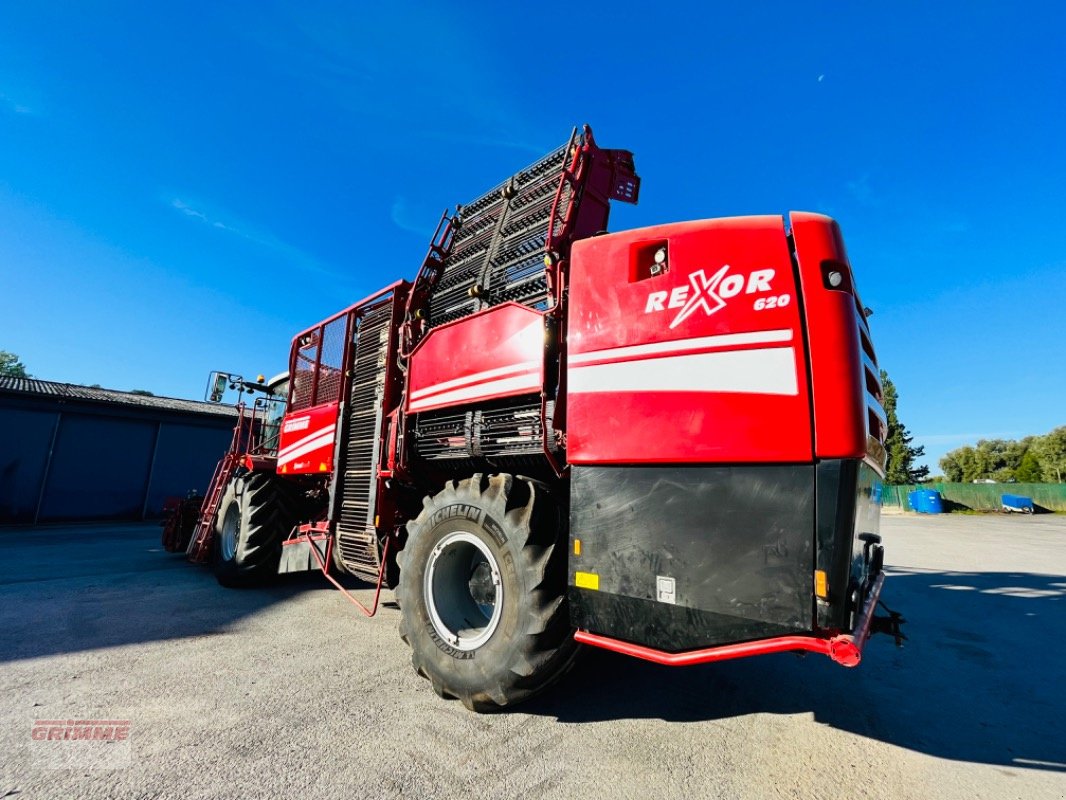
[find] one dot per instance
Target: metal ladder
(199, 548)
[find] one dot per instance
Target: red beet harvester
(667, 442)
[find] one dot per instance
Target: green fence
(982, 496)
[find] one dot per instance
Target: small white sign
(666, 589)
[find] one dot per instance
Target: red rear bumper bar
(844, 649)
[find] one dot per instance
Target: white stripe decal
(681, 345)
(302, 441)
(477, 377)
(770, 370)
(515, 384)
(311, 446)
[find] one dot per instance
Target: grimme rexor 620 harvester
(666, 442)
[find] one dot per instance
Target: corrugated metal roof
(32, 386)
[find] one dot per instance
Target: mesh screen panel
(303, 376)
(331, 364)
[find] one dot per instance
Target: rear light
(836, 275)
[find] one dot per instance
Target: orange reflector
(577, 547)
(322, 466)
(821, 584)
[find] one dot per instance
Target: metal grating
(356, 535)
(506, 432)
(508, 246)
(497, 253)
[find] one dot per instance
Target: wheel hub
(231, 532)
(463, 591)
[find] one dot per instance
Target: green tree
(954, 464)
(142, 392)
(999, 458)
(1029, 470)
(1050, 451)
(11, 367)
(965, 464)
(901, 453)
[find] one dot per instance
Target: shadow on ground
(981, 678)
(75, 588)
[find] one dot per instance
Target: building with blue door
(73, 453)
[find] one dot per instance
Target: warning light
(821, 584)
(577, 547)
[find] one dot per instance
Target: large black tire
(255, 516)
(482, 592)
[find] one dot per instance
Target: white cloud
(411, 220)
(256, 236)
(962, 438)
(861, 190)
(501, 142)
(377, 63)
(13, 105)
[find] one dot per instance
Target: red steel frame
(321, 415)
(319, 532)
(844, 649)
(320, 326)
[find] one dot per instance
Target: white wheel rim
(463, 591)
(231, 532)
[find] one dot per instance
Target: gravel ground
(286, 691)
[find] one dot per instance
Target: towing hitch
(889, 624)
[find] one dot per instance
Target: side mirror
(216, 386)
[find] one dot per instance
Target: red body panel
(491, 354)
(843, 413)
(704, 362)
(307, 441)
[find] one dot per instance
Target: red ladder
(200, 543)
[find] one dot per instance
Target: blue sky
(184, 186)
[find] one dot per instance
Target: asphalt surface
(286, 691)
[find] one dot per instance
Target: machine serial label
(665, 590)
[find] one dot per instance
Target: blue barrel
(926, 501)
